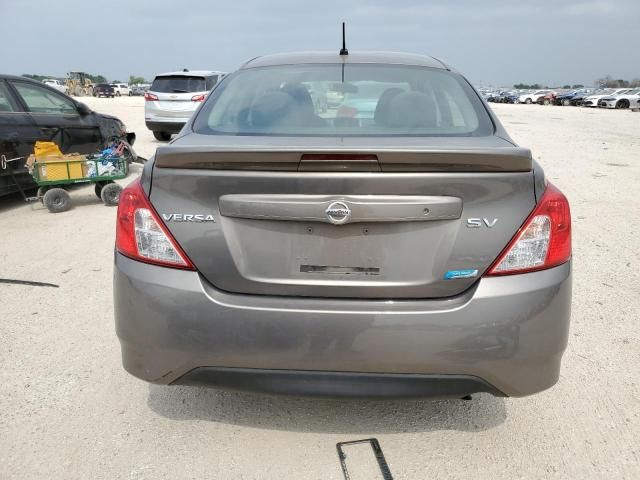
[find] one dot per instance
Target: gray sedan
(413, 251)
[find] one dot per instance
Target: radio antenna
(344, 50)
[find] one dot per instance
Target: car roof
(191, 73)
(4, 76)
(395, 58)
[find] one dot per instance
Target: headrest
(382, 107)
(270, 108)
(411, 110)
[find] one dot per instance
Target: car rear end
(103, 90)
(173, 97)
(419, 252)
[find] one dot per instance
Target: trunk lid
(299, 217)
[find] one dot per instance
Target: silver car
(173, 97)
(417, 251)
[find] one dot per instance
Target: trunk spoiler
(500, 159)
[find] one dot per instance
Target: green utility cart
(53, 176)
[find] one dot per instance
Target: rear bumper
(170, 125)
(338, 384)
(506, 336)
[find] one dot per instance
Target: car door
(17, 135)
(17, 130)
(57, 118)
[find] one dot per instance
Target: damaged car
(31, 111)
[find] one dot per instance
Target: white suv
(57, 84)
(173, 97)
(121, 89)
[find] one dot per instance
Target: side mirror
(83, 109)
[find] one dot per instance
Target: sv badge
(479, 222)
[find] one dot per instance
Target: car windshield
(349, 100)
(178, 84)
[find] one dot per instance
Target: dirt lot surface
(69, 411)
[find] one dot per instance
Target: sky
(491, 42)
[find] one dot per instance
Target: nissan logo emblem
(338, 213)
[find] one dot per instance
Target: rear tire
(110, 194)
(162, 136)
(57, 200)
(546, 101)
(99, 186)
(528, 101)
(117, 94)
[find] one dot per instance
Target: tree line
(537, 86)
(605, 82)
(609, 82)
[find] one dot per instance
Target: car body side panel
(509, 331)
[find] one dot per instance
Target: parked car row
(620, 98)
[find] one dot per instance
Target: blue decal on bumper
(453, 274)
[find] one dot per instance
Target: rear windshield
(178, 84)
(349, 100)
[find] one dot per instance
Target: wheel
(117, 94)
(89, 91)
(57, 200)
(95, 94)
(546, 101)
(528, 101)
(622, 104)
(130, 94)
(77, 91)
(566, 102)
(110, 194)
(162, 136)
(99, 186)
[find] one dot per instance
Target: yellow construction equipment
(79, 84)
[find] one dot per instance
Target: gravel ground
(70, 411)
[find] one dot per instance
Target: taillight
(150, 97)
(141, 235)
(197, 98)
(543, 241)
